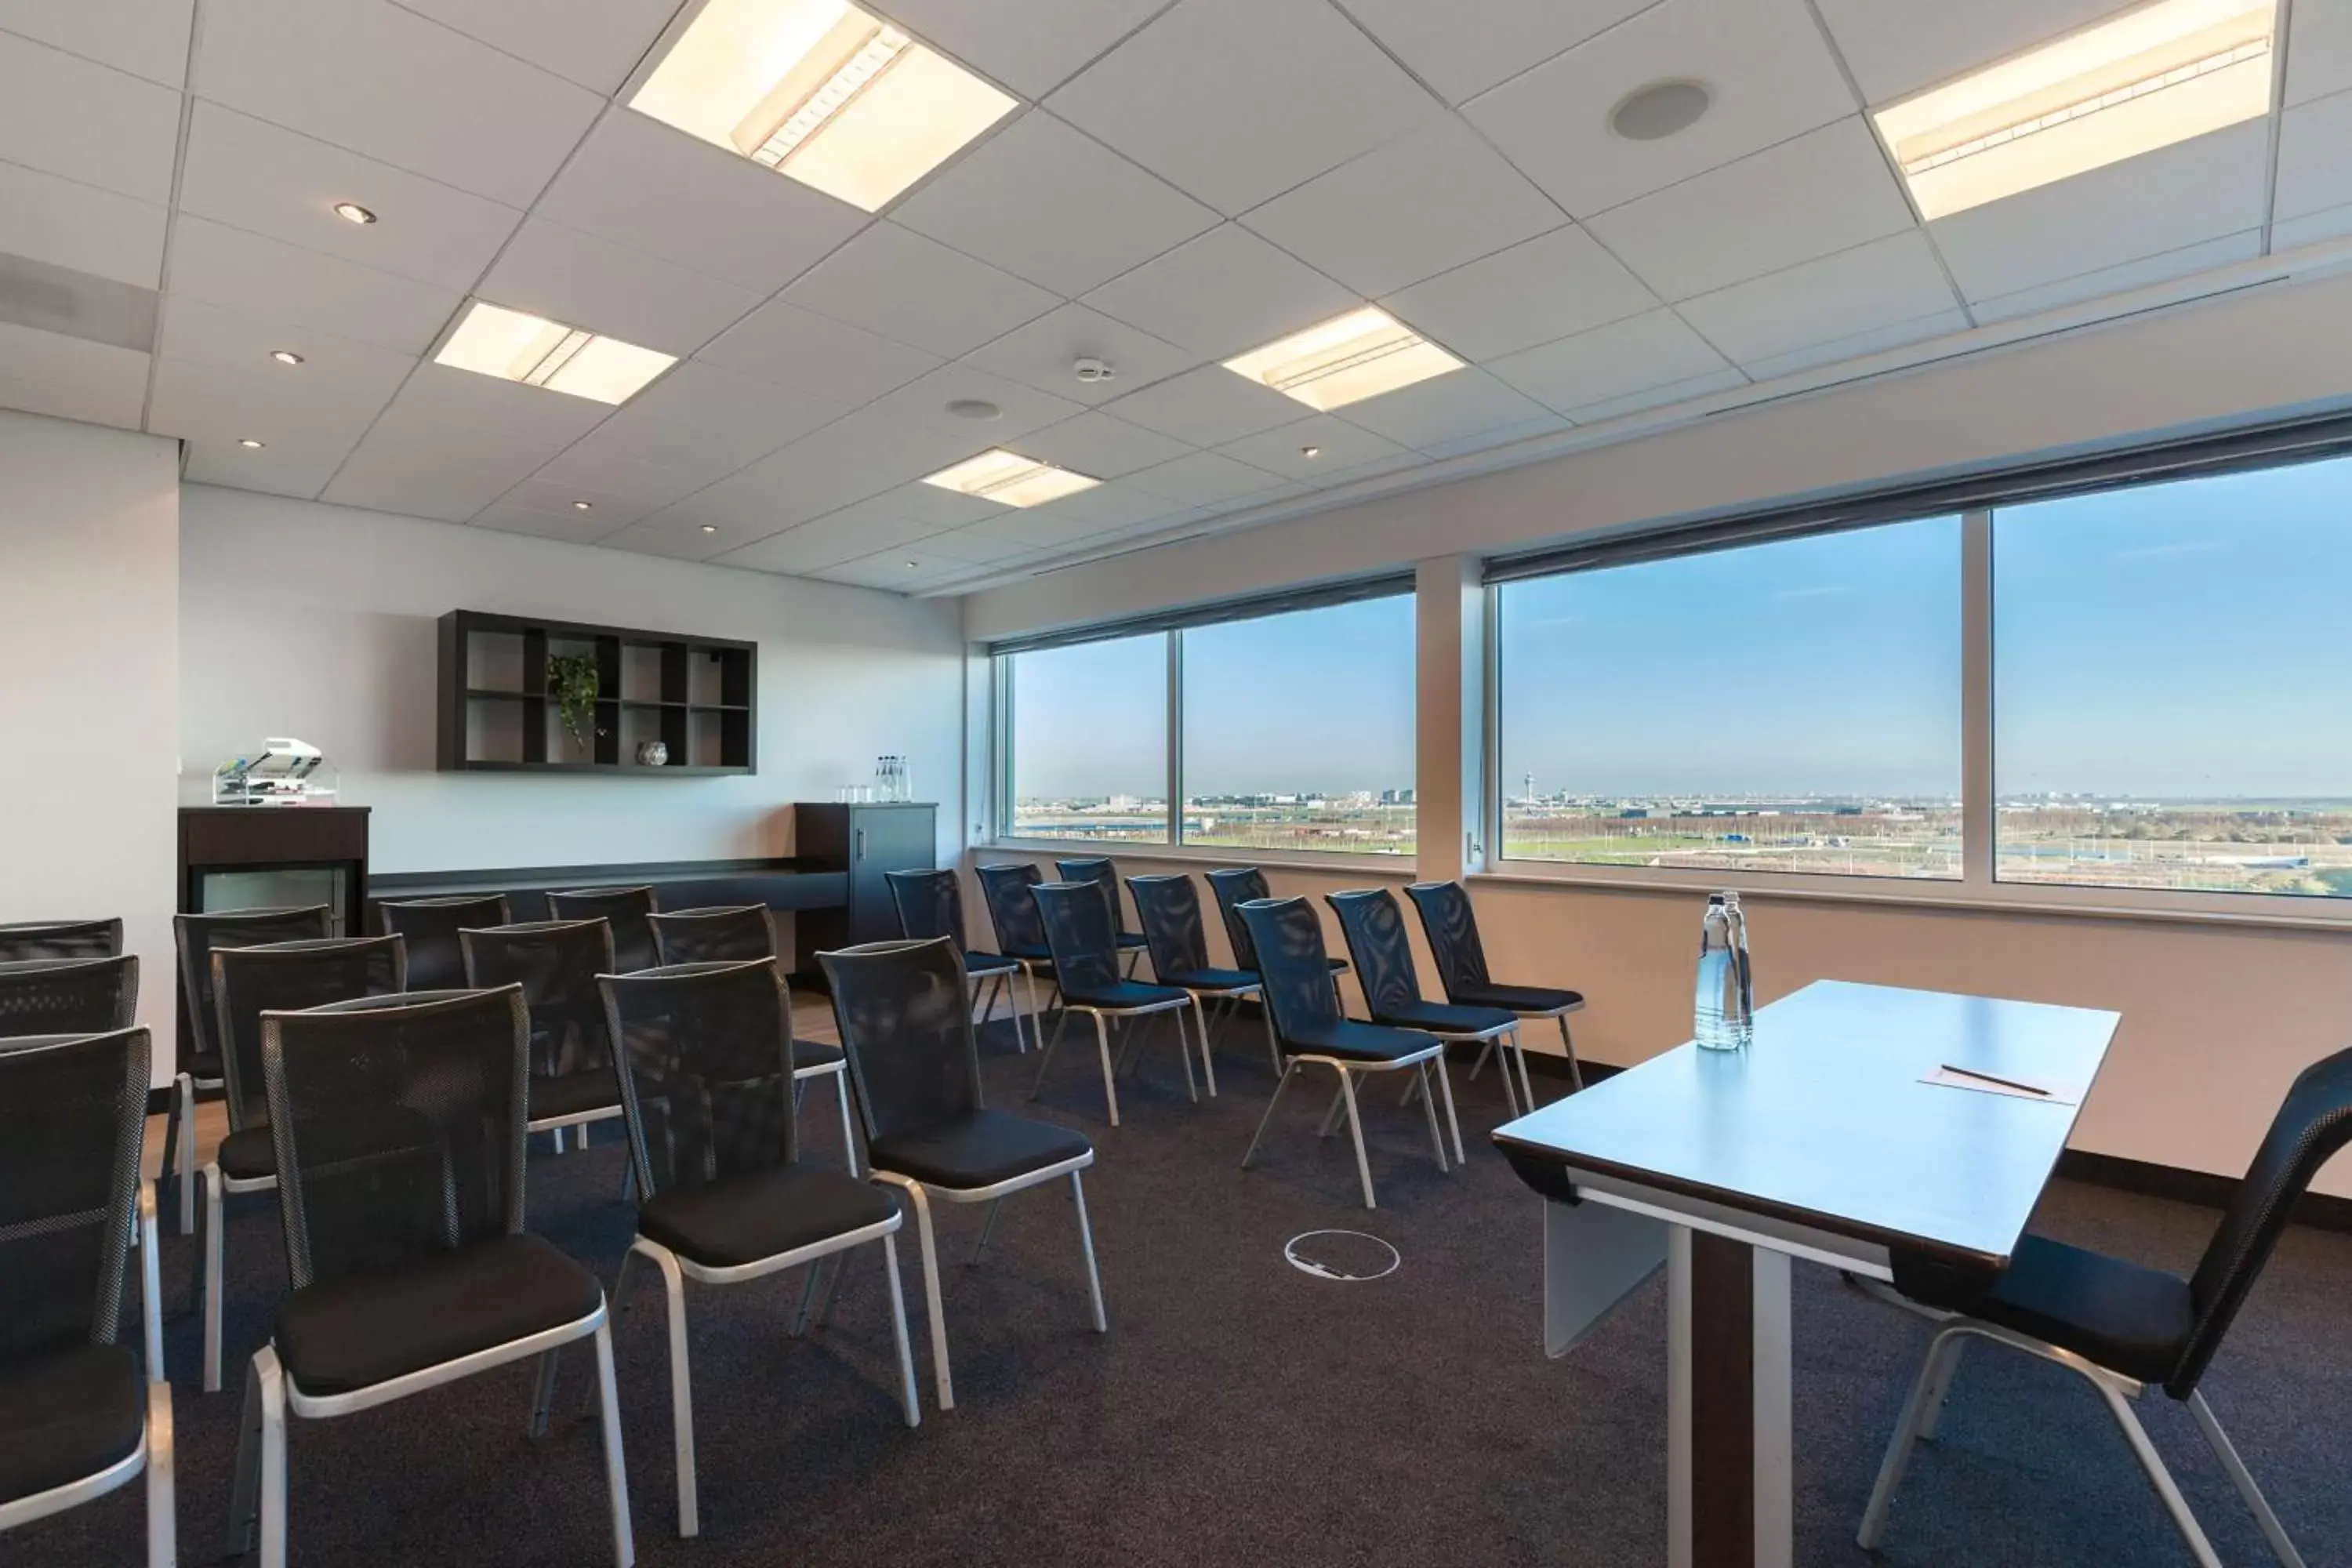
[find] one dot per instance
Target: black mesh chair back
(905, 1016)
(25, 942)
(707, 1085)
(1452, 928)
(73, 1109)
(1292, 965)
(1373, 922)
(199, 935)
(287, 976)
(625, 909)
(399, 1127)
(929, 904)
(556, 963)
(1169, 908)
(1234, 887)
(1012, 912)
(1080, 934)
(2314, 1123)
(69, 996)
(1098, 869)
(437, 960)
(740, 934)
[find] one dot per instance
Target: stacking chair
(201, 1075)
(625, 910)
(906, 1019)
(22, 942)
(79, 1415)
(1452, 928)
(68, 995)
(1019, 931)
(436, 959)
(1373, 923)
(2123, 1328)
(1311, 1031)
(1170, 909)
(1235, 886)
(1086, 961)
(1098, 869)
(399, 1125)
(556, 962)
(707, 1055)
(741, 934)
(282, 976)
(930, 904)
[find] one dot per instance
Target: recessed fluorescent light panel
(2144, 79)
(539, 353)
(1361, 354)
(1012, 479)
(821, 91)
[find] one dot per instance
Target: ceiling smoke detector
(974, 408)
(1659, 111)
(1091, 370)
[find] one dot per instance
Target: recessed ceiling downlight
(1659, 111)
(974, 408)
(351, 211)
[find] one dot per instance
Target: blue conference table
(1840, 1137)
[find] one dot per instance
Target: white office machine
(284, 772)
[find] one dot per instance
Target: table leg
(1728, 1379)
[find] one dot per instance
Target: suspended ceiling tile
(1207, 407)
(1896, 47)
(571, 527)
(1337, 446)
(584, 282)
(1432, 199)
(1204, 479)
(642, 184)
(2319, 50)
(1662, 396)
(1050, 205)
(2315, 156)
(1235, 100)
(1101, 447)
(145, 37)
(1444, 409)
(70, 225)
(1858, 345)
(1825, 191)
(337, 374)
(1549, 288)
(1044, 354)
(65, 115)
(386, 82)
(803, 351)
(893, 282)
(1029, 46)
(595, 42)
(269, 277)
(1870, 287)
(1611, 362)
(1451, 46)
(1771, 75)
(1545, 423)
(2137, 273)
(264, 180)
(1227, 291)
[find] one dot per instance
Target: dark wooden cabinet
(866, 843)
(255, 857)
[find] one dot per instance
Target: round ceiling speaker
(1659, 111)
(974, 408)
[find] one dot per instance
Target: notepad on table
(1951, 1077)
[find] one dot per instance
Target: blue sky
(2173, 640)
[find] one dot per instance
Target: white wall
(320, 622)
(89, 645)
(2217, 1019)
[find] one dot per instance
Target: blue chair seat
(1210, 979)
(1029, 952)
(1356, 1042)
(977, 1150)
(1445, 1018)
(1125, 993)
(1518, 998)
(988, 964)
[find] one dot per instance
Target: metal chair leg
(1184, 1055)
(273, 1458)
(1331, 1112)
(616, 1478)
(1201, 1028)
(184, 1158)
(163, 1506)
(1452, 1122)
(800, 1325)
(2191, 1533)
(1356, 1131)
(987, 1228)
(931, 1296)
(907, 1402)
(848, 1133)
(542, 1403)
(1939, 1387)
(1045, 1052)
(1575, 1068)
(1899, 1447)
(1279, 1085)
(245, 1487)
(2227, 1452)
(1087, 1246)
(681, 1394)
(210, 1264)
(1429, 1102)
(1273, 1046)
(1111, 1087)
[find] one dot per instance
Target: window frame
(1978, 887)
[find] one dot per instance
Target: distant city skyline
(2173, 642)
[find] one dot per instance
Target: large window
(1296, 733)
(1088, 741)
(2170, 708)
(1298, 729)
(1793, 705)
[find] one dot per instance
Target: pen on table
(2004, 1082)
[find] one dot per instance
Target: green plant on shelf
(572, 681)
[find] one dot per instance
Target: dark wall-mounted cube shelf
(698, 696)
